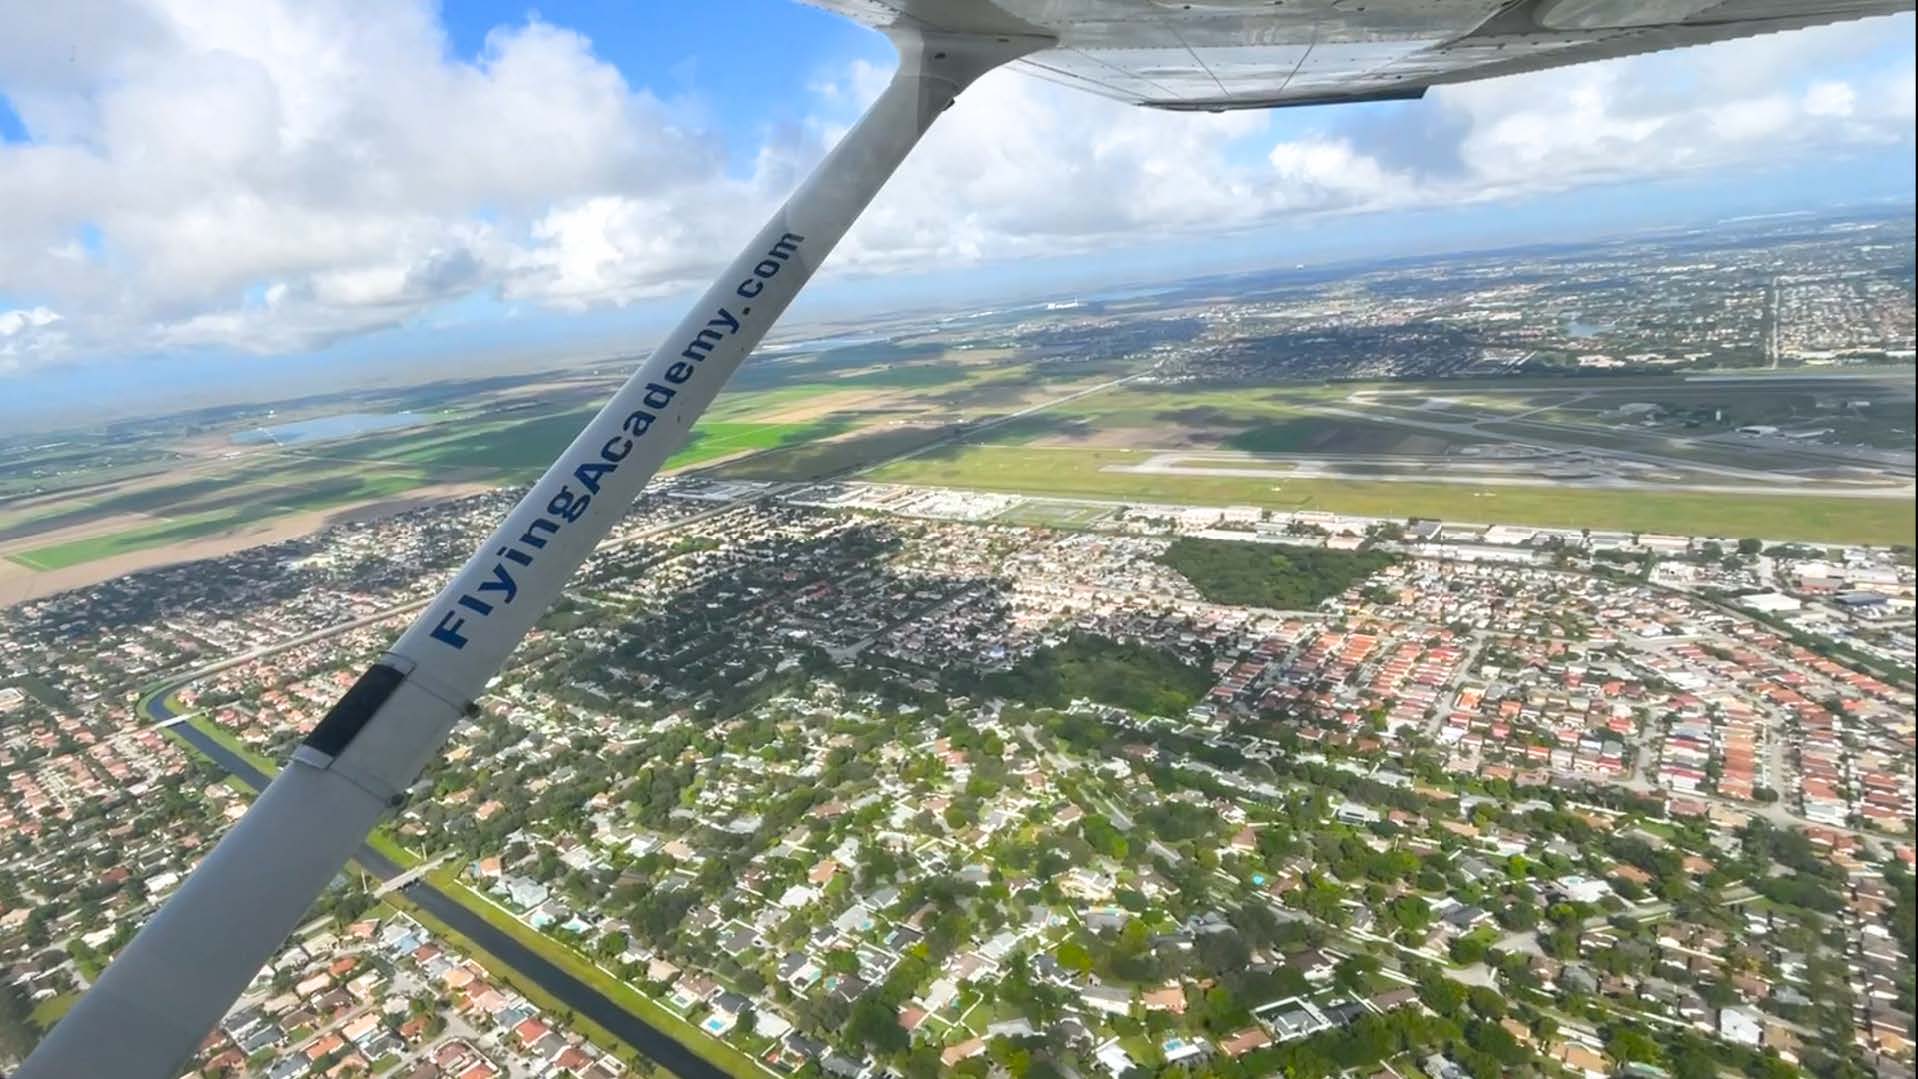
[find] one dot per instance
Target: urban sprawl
(855, 779)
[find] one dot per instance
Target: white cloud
(279, 174)
(27, 332)
(1830, 99)
(23, 319)
(331, 146)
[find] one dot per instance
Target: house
(1244, 1041)
(1354, 813)
(1741, 1026)
(796, 1049)
(1178, 1049)
(530, 1030)
(1108, 999)
(1581, 1061)
(362, 1029)
(1466, 917)
(1020, 1027)
(855, 920)
(1395, 998)
(1169, 998)
(799, 971)
(964, 1050)
(1314, 964)
(1578, 889)
(325, 1045)
(1113, 1059)
(1294, 1018)
(526, 892)
(844, 1067)
(944, 991)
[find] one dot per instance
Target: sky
(204, 199)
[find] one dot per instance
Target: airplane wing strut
(150, 1009)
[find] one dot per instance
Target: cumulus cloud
(27, 332)
(330, 150)
(277, 175)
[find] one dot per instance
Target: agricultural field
(1109, 401)
(83, 508)
(518, 450)
(819, 459)
(249, 505)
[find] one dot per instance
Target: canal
(583, 999)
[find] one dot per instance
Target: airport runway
(1489, 472)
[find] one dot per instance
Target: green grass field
(1079, 472)
(233, 744)
(1256, 419)
(711, 441)
(380, 841)
(521, 450)
(250, 506)
(48, 1012)
(817, 459)
(935, 387)
(366, 470)
(74, 552)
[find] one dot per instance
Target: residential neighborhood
(856, 780)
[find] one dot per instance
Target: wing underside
(1209, 55)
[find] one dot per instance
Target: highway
(564, 987)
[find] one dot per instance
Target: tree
(1222, 953)
(875, 1024)
(1626, 1043)
(1496, 1042)
(610, 945)
(1442, 995)
(1352, 970)
(1467, 950)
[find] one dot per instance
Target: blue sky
(286, 196)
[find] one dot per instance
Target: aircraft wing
(1211, 55)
